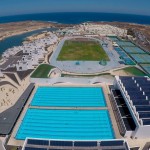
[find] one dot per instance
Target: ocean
(78, 17)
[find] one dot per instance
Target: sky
(18, 7)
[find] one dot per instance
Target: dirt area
(121, 73)
(36, 37)
(14, 28)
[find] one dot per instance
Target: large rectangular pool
(69, 97)
(66, 124)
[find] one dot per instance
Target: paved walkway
(71, 80)
(70, 108)
(9, 117)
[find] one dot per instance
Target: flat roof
(9, 117)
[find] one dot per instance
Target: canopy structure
(103, 62)
(77, 63)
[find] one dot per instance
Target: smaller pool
(66, 125)
(69, 97)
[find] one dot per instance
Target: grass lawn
(82, 51)
(42, 71)
(134, 71)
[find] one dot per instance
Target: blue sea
(77, 17)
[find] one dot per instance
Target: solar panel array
(138, 90)
(41, 144)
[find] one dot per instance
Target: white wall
(142, 132)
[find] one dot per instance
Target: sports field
(134, 71)
(83, 50)
(42, 71)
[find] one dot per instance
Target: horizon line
(76, 12)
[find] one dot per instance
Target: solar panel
(142, 108)
(85, 144)
(140, 79)
(137, 96)
(140, 103)
(133, 92)
(147, 93)
(61, 143)
(146, 121)
(146, 90)
(128, 83)
(132, 88)
(112, 143)
(34, 148)
(144, 114)
(146, 87)
(37, 142)
(135, 99)
(143, 84)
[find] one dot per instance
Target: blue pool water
(69, 97)
(66, 124)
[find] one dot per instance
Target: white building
(103, 30)
(32, 53)
(132, 105)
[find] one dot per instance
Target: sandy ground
(15, 28)
(10, 29)
(36, 37)
(121, 73)
(9, 94)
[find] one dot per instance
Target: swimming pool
(66, 124)
(69, 97)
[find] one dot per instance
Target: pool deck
(13, 141)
